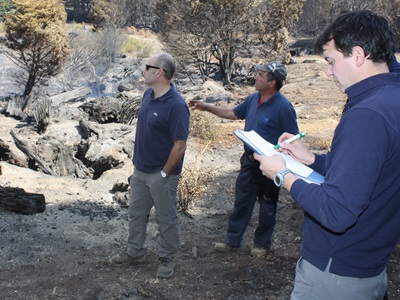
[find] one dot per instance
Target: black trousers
(252, 185)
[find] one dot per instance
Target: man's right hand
(296, 149)
(197, 104)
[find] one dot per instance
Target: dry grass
(134, 47)
(193, 182)
(41, 113)
(319, 133)
(149, 41)
(202, 127)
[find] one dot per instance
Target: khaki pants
(148, 190)
(314, 284)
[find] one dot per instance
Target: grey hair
(167, 63)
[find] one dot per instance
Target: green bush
(6, 7)
(134, 46)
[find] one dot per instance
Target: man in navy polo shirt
(160, 144)
(268, 113)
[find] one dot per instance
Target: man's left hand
(270, 165)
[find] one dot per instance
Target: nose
(329, 70)
(142, 69)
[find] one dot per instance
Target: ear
(359, 56)
(272, 83)
(159, 73)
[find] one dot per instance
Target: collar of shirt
(165, 96)
(353, 92)
(270, 99)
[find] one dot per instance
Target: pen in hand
(293, 138)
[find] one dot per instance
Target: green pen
(293, 138)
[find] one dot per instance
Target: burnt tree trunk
(19, 201)
(87, 129)
(70, 96)
(31, 154)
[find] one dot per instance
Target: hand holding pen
(292, 139)
(298, 151)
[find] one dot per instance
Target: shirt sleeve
(179, 122)
(241, 109)
(319, 163)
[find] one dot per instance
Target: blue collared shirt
(272, 118)
(161, 121)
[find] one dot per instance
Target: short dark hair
(278, 83)
(360, 28)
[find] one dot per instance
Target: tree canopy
(36, 33)
(6, 6)
(318, 13)
(215, 31)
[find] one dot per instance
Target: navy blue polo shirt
(272, 118)
(161, 121)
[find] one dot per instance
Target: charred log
(28, 151)
(19, 201)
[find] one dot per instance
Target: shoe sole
(165, 276)
(128, 263)
(223, 250)
(226, 249)
(257, 254)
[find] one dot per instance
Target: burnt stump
(19, 201)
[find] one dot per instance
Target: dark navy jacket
(354, 216)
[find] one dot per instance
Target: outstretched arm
(226, 113)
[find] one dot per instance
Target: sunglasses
(154, 67)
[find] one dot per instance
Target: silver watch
(163, 174)
(279, 178)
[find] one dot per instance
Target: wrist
(279, 178)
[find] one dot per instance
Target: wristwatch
(279, 177)
(163, 174)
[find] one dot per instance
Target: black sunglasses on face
(154, 67)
